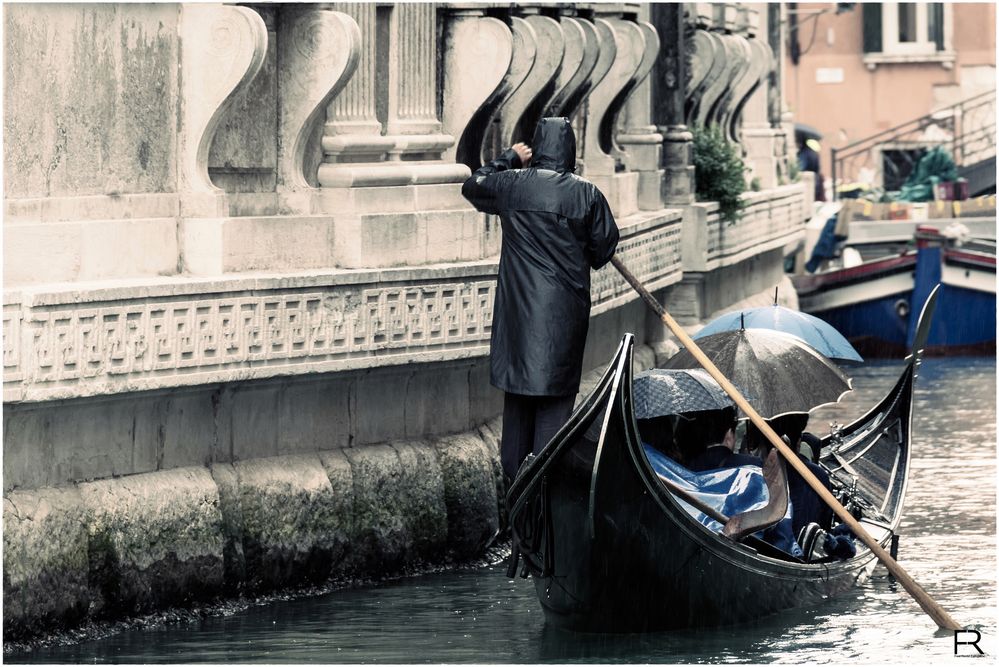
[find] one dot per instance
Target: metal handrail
(925, 120)
(950, 118)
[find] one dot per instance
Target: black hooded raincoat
(556, 227)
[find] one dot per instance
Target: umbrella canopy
(819, 334)
(779, 371)
(803, 132)
(659, 392)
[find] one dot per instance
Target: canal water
(948, 544)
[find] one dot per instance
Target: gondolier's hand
(523, 151)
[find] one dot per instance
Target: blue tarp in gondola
(729, 491)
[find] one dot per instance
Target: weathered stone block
(183, 431)
(314, 414)
(271, 243)
(293, 526)
(233, 557)
(342, 484)
(84, 440)
(484, 400)
(421, 489)
(154, 539)
(254, 410)
(45, 565)
(490, 434)
(650, 190)
(439, 197)
(380, 536)
(71, 135)
(92, 250)
(469, 493)
(381, 407)
(437, 402)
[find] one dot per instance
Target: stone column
(412, 71)
(353, 110)
(669, 77)
(775, 98)
(387, 176)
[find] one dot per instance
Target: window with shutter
(871, 17)
(906, 32)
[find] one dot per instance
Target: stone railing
(770, 219)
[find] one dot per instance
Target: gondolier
(556, 227)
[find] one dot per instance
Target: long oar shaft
(929, 605)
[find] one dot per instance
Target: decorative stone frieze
(75, 342)
(650, 246)
(222, 49)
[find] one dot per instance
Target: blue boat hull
(876, 306)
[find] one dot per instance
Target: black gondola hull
(610, 550)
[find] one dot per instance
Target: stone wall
(246, 310)
(130, 544)
(101, 119)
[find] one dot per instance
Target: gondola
(610, 549)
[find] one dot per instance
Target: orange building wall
(869, 101)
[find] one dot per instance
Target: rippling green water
(948, 545)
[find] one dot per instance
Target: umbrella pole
(929, 605)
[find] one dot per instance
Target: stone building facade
(246, 309)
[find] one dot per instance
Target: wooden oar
(929, 605)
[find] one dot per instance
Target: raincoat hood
(554, 145)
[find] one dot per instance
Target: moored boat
(875, 304)
(610, 549)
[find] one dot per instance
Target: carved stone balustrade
(770, 220)
(521, 112)
(284, 225)
(604, 106)
(222, 49)
(386, 175)
(637, 143)
(731, 70)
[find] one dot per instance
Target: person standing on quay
(556, 227)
